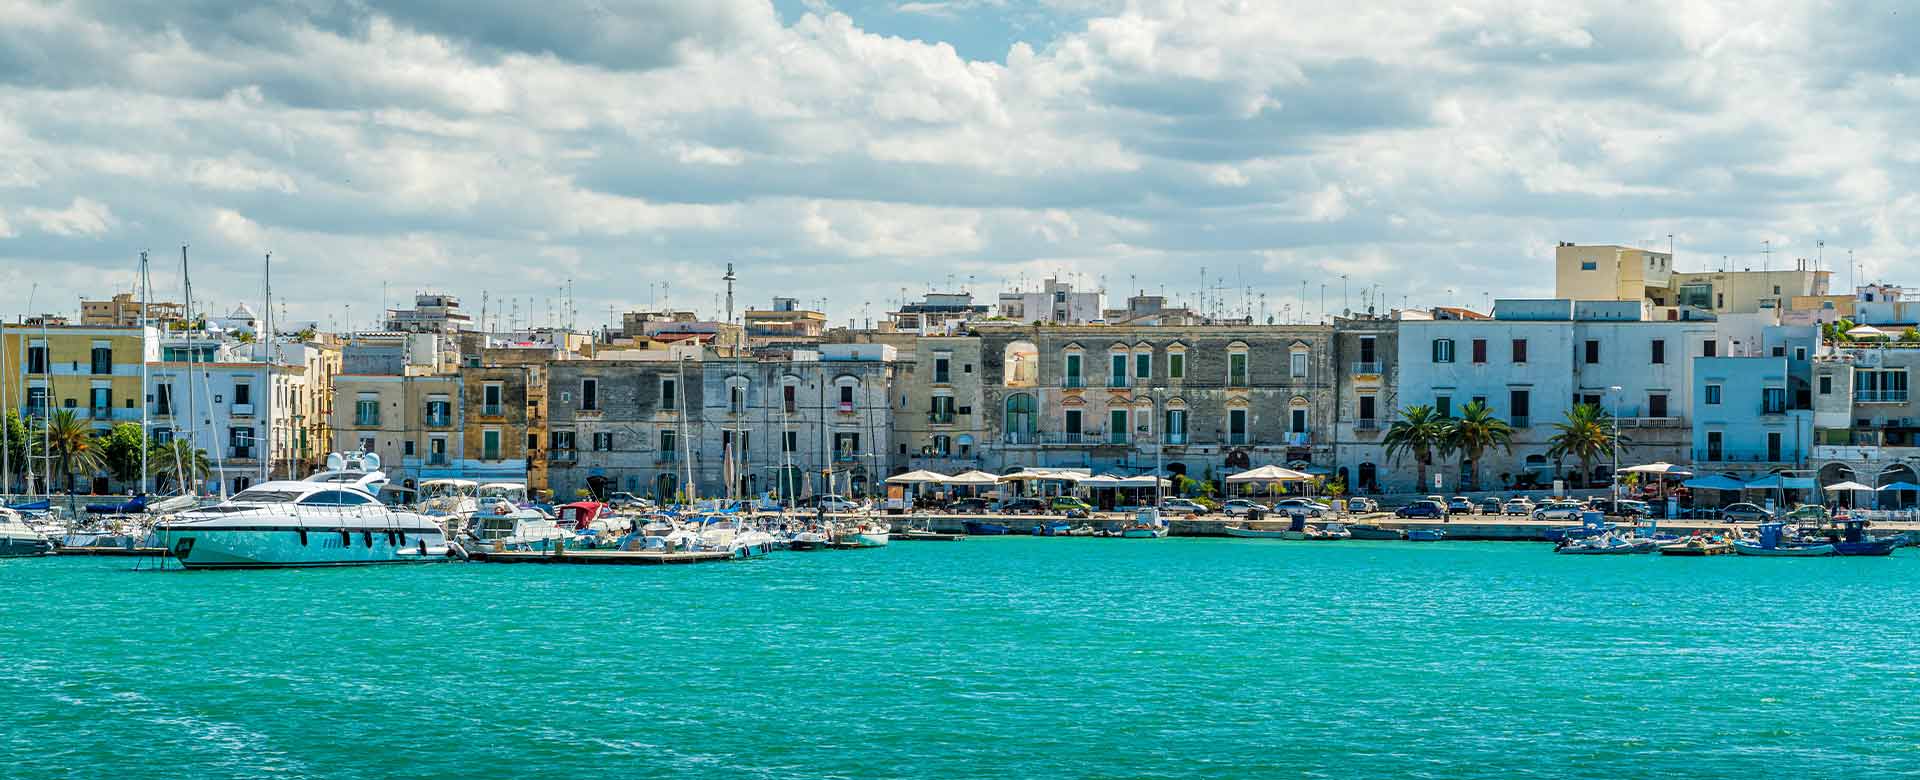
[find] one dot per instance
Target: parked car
(1242, 506)
(1429, 509)
(1062, 505)
(833, 503)
(1492, 506)
(1621, 508)
(1299, 506)
(1560, 510)
(1182, 506)
(1745, 513)
(1460, 505)
(1518, 505)
(1021, 506)
(969, 506)
(1362, 504)
(1809, 514)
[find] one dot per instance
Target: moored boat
(1854, 541)
(19, 540)
(1374, 532)
(984, 528)
(1698, 546)
(1253, 533)
(1425, 535)
(1774, 543)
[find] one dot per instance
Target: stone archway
(1897, 499)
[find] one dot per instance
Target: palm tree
(1587, 436)
(1420, 433)
(179, 462)
(71, 443)
(1474, 432)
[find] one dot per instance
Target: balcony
(439, 420)
(240, 453)
(940, 418)
(1074, 381)
(1520, 421)
(846, 407)
(242, 410)
(564, 456)
(492, 410)
(1651, 422)
(366, 421)
(1365, 367)
(1117, 437)
(1063, 438)
(1366, 425)
(1020, 437)
(665, 457)
(846, 457)
(1880, 396)
(1117, 381)
(1238, 382)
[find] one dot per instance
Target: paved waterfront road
(990, 658)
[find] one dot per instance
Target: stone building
(1366, 351)
(1217, 398)
(818, 421)
(939, 419)
(622, 426)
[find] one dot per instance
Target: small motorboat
(1699, 546)
(1052, 528)
(1331, 532)
(1774, 543)
(1146, 524)
(927, 535)
(1854, 541)
(19, 540)
(1604, 544)
(1425, 535)
(1082, 530)
(808, 540)
(1240, 532)
(1370, 531)
(983, 528)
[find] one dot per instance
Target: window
(1443, 405)
(1593, 351)
(240, 441)
(490, 400)
(1656, 404)
(1176, 365)
(242, 394)
(1367, 354)
(942, 371)
(1237, 369)
(1118, 374)
(1773, 437)
(162, 434)
(1709, 348)
(1659, 351)
(37, 401)
(163, 399)
(102, 359)
(1880, 386)
(1443, 350)
(102, 401)
(490, 445)
(1073, 370)
(336, 498)
(846, 396)
(942, 445)
(669, 395)
(1589, 265)
(1773, 400)
(561, 440)
(1519, 408)
(1826, 384)
(846, 446)
(437, 451)
(1022, 418)
(407, 448)
(789, 441)
(366, 444)
(589, 395)
(1297, 365)
(439, 413)
(37, 359)
(1143, 365)
(366, 411)
(736, 399)
(1519, 350)
(1299, 421)
(1778, 350)
(1367, 408)
(603, 441)
(1176, 426)
(1236, 426)
(1800, 354)
(1719, 300)
(1479, 351)
(1117, 426)
(1713, 395)
(1073, 422)
(670, 442)
(735, 441)
(1716, 447)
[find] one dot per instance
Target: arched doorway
(1834, 473)
(1022, 419)
(1238, 459)
(789, 482)
(1897, 474)
(1369, 478)
(1340, 475)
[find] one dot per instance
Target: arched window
(1021, 364)
(1022, 418)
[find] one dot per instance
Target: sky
(850, 153)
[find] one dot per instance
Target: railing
(667, 456)
(1520, 421)
(1366, 425)
(1117, 437)
(1069, 439)
(240, 453)
(1236, 438)
(940, 418)
(243, 410)
(437, 459)
(439, 420)
(565, 456)
(1742, 457)
(1364, 367)
(1880, 396)
(846, 407)
(366, 420)
(1176, 440)
(1118, 380)
(1649, 422)
(1020, 437)
(1237, 380)
(1074, 381)
(1772, 409)
(491, 410)
(943, 379)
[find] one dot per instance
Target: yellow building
(94, 371)
(123, 311)
(1606, 272)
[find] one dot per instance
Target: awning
(1142, 481)
(1867, 332)
(1777, 482)
(1659, 467)
(1036, 474)
(917, 478)
(1900, 486)
(1714, 482)
(1269, 474)
(1841, 487)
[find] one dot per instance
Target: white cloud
(83, 217)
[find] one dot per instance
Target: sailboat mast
(266, 399)
(146, 386)
(187, 484)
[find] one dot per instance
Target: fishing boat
(1698, 546)
(1854, 540)
(1425, 535)
(332, 518)
(865, 534)
(19, 540)
(984, 528)
(928, 535)
(1775, 543)
(1146, 524)
(1052, 528)
(1604, 544)
(1332, 532)
(1082, 530)
(1374, 532)
(1241, 532)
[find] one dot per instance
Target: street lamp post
(1615, 444)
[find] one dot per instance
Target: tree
(120, 450)
(1587, 436)
(178, 462)
(1910, 335)
(70, 442)
(16, 442)
(1419, 433)
(1476, 431)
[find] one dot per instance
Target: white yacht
(333, 518)
(447, 497)
(19, 540)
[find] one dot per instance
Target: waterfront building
(1532, 363)
(1621, 273)
(123, 311)
(416, 424)
(1217, 398)
(938, 424)
(623, 425)
(785, 326)
(244, 413)
(1866, 422)
(1366, 356)
(1885, 306)
(1749, 420)
(92, 371)
(1055, 303)
(795, 425)
(937, 314)
(504, 411)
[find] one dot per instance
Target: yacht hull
(289, 548)
(23, 547)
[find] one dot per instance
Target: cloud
(846, 150)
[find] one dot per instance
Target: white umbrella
(1839, 487)
(1101, 481)
(1142, 481)
(1867, 332)
(917, 478)
(1658, 467)
(975, 477)
(1269, 474)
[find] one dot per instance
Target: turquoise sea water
(990, 658)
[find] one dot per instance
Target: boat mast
(46, 405)
(146, 387)
(193, 411)
(266, 396)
